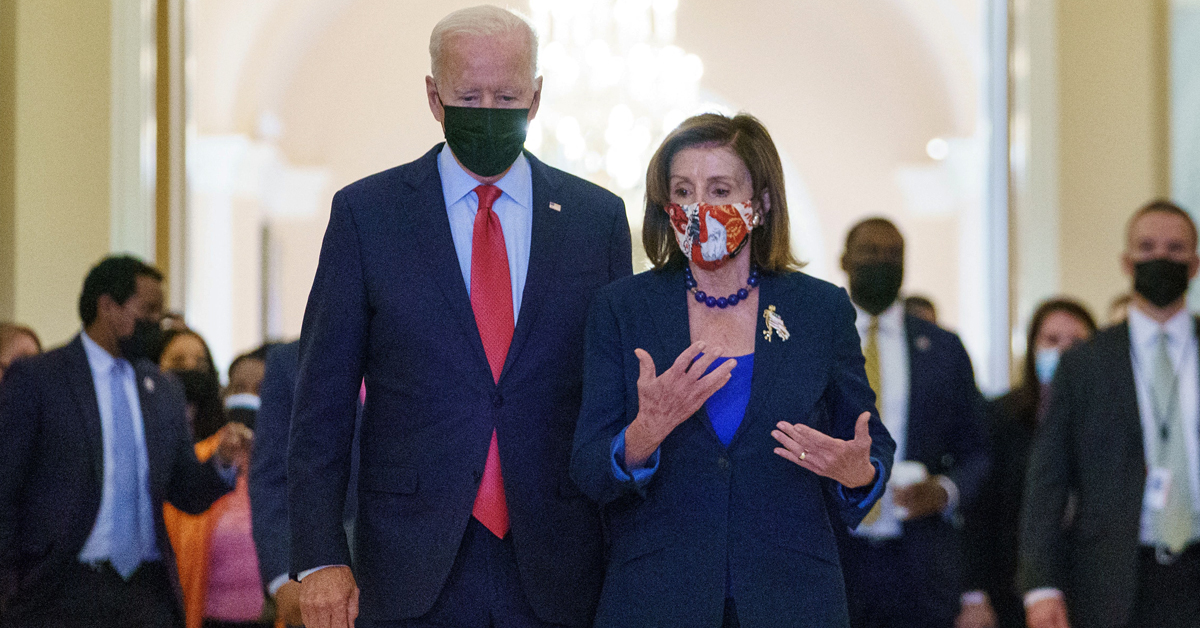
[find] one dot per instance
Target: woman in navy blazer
(725, 436)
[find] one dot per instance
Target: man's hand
(329, 598)
(979, 615)
(1047, 613)
(234, 446)
(287, 604)
(847, 462)
(922, 499)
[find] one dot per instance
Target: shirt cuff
(277, 584)
(227, 471)
(860, 496)
(1043, 593)
(639, 475)
(951, 495)
(308, 572)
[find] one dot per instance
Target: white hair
(483, 20)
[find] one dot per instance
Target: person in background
(268, 480)
(903, 564)
(186, 356)
(16, 342)
(1119, 441)
(216, 559)
(992, 523)
(245, 379)
(1118, 310)
(921, 307)
(95, 440)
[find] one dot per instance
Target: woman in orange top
(217, 564)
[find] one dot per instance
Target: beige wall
(59, 155)
(8, 49)
(1113, 96)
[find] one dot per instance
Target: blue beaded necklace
(689, 282)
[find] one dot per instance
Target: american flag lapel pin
(556, 207)
(149, 384)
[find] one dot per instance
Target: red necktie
(491, 299)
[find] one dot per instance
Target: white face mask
(1045, 363)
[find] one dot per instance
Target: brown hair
(1164, 206)
(9, 331)
(1029, 391)
(770, 243)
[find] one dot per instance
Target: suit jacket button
(497, 400)
(478, 475)
(723, 463)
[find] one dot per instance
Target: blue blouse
(727, 406)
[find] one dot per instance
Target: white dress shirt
(1181, 347)
(98, 547)
(892, 344)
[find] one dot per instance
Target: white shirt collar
(99, 359)
(1144, 330)
(890, 320)
(517, 183)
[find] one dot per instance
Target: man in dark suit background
(902, 564)
(268, 481)
(1121, 437)
(95, 439)
(458, 285)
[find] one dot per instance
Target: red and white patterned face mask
(709, 235)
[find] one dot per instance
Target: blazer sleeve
(1049, 480)
(603, 414)
(970, 443)
(268, 464)
(849, 395)
(333, 343)
(20, 423)
(193, 485)
(1048, 483)
(620, 253)
(982, 520)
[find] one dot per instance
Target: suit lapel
(544, 252)
(770, 355)
(1119, 358)
(153, 430)
(427, 207)
(83, 389)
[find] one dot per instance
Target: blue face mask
(1046, 363)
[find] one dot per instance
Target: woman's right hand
(665, 401)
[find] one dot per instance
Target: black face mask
(144, 344)
(203, 392)
(485, 141)
(245, 416)
(875, 286)
(1161, 281)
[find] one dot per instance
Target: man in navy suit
(458, 286)
(268, 480)
(95, 439)
(902, 564)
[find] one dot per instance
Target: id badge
(1158, 486)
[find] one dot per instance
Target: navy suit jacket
(268, 465)
(945, 433)
(52, 467)
(389, 302)
(708, 506)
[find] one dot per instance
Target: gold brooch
(774, 324)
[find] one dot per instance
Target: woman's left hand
(847, 462)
